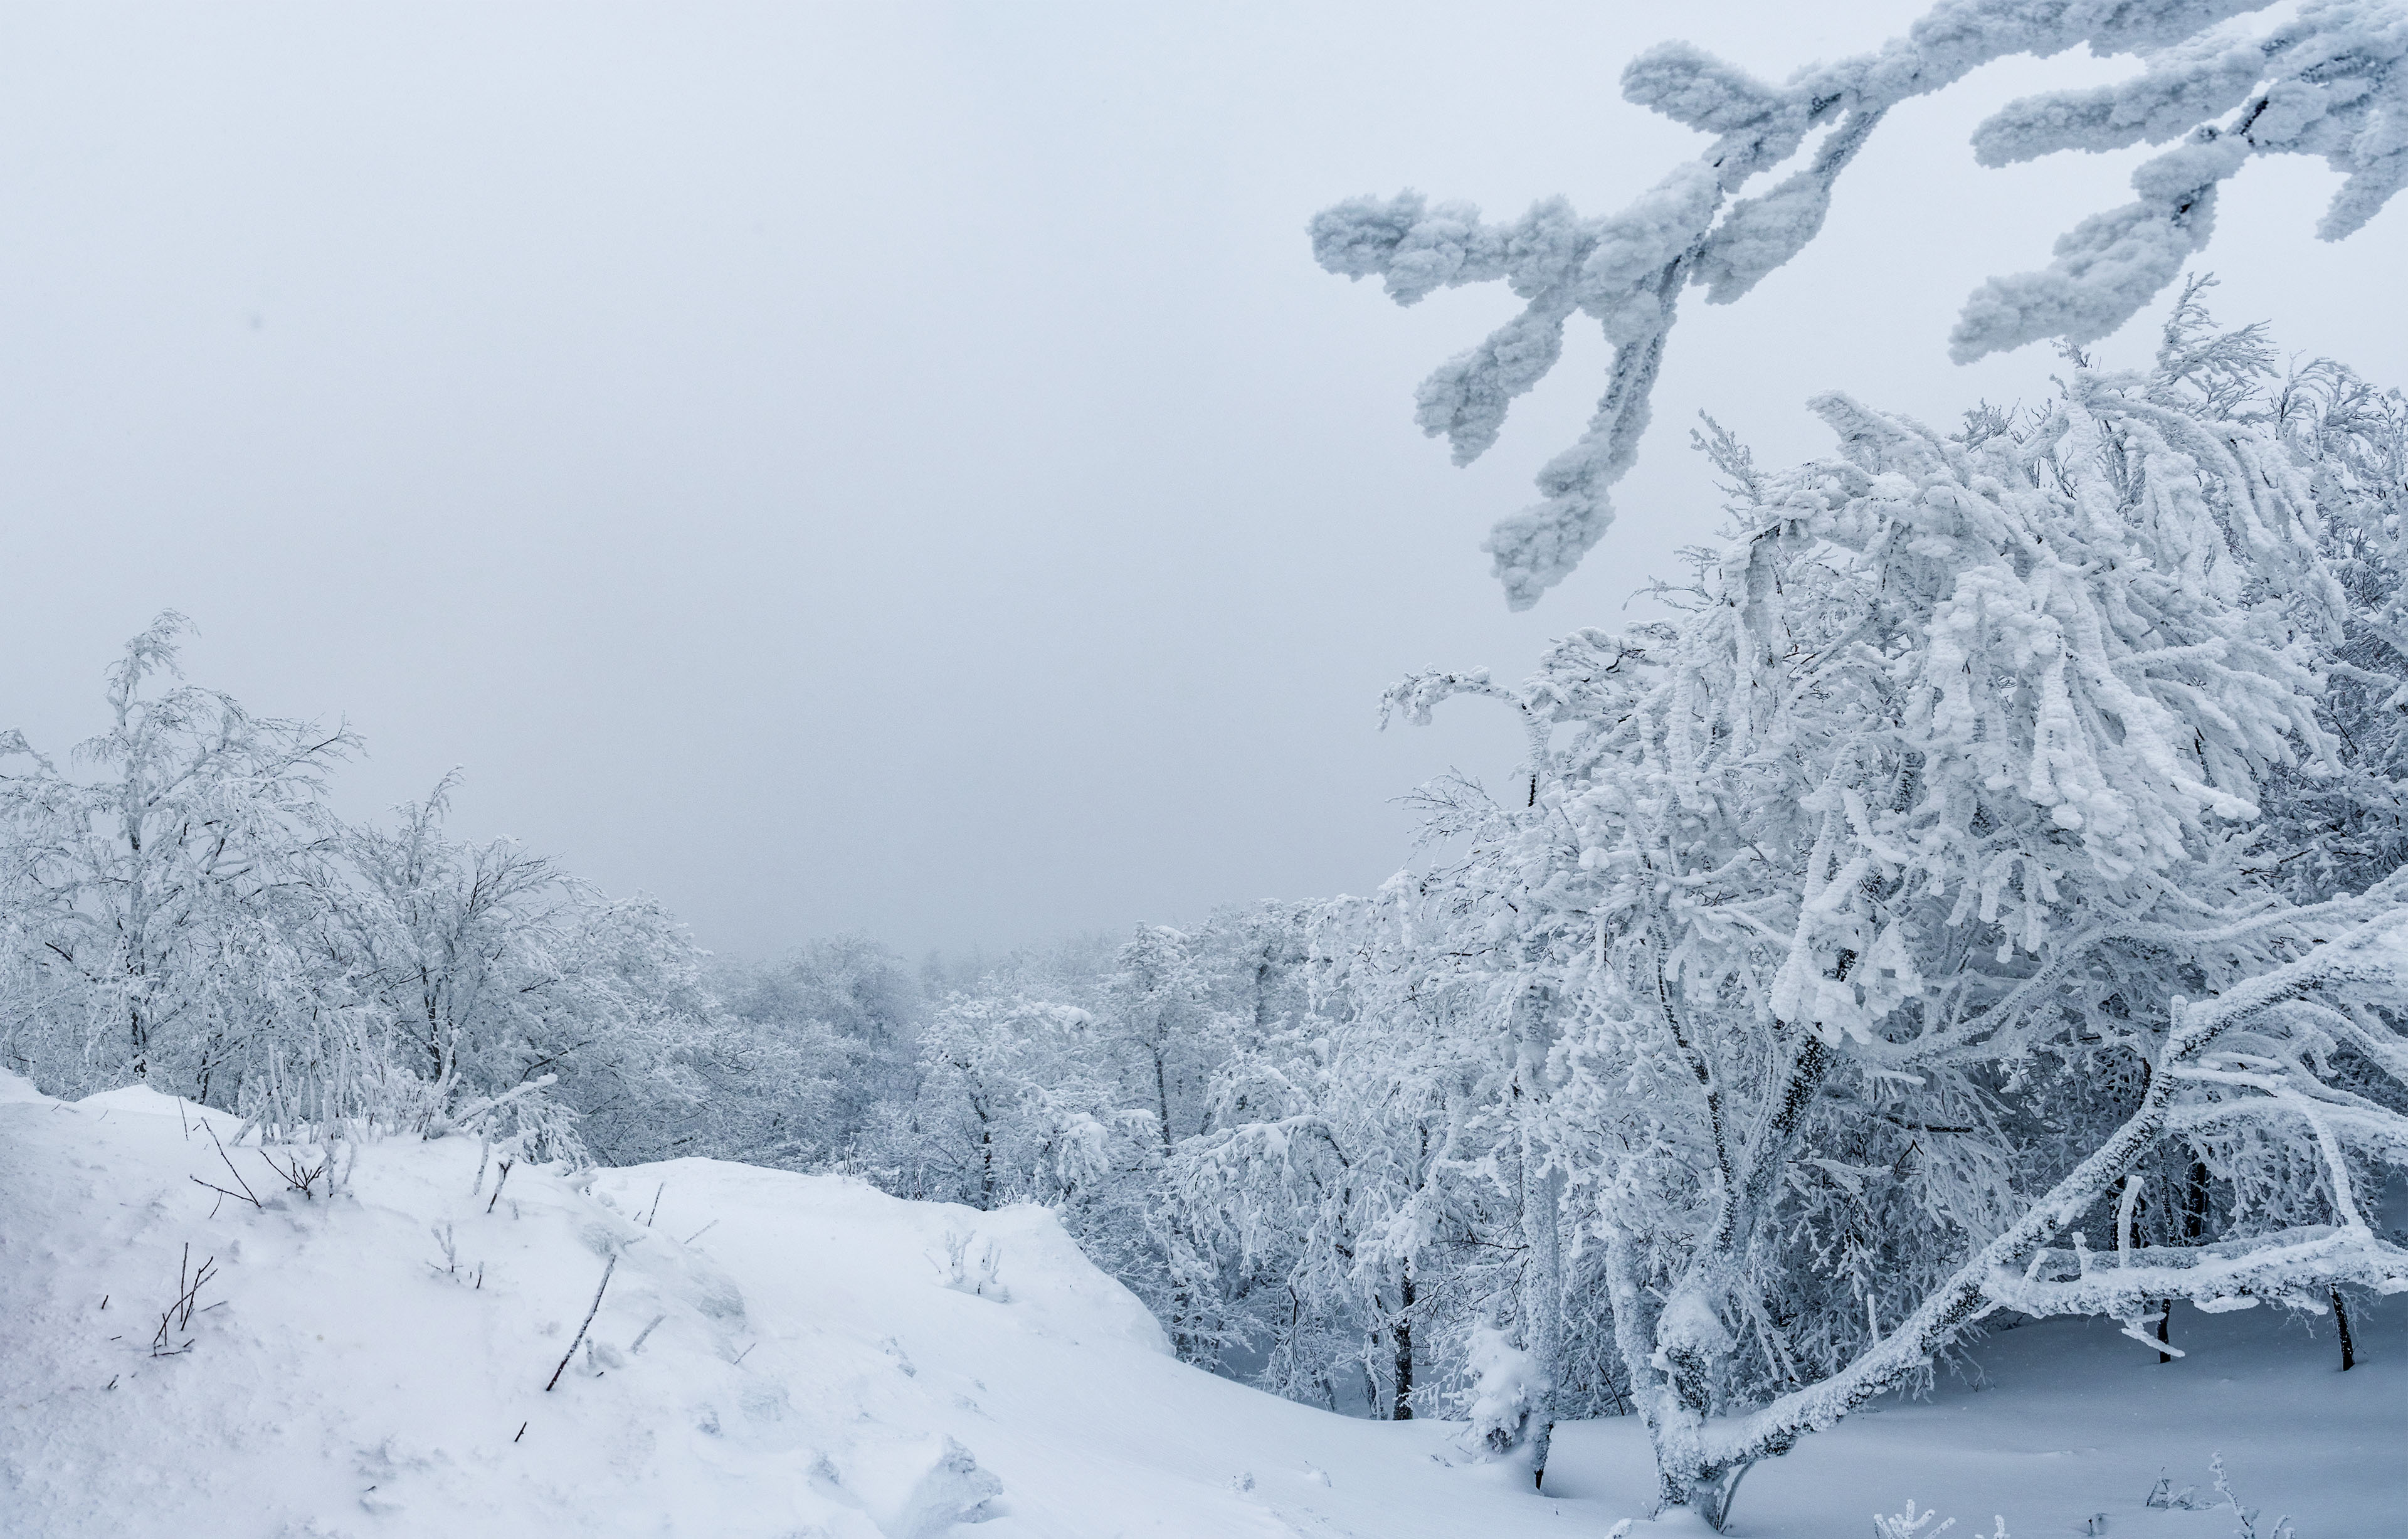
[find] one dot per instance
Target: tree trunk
(2340, 1318)
(2194, 1210)
(1402, 1333)
(1543, 1272)
(1712, 1499)
(1542, 1294)
(1162, 1100)
(986, 1149)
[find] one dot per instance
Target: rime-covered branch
(2326, 83)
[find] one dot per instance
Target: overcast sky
(897, 467)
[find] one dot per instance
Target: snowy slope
(817, 1369)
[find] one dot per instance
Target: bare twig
(700, 1232)
(178, 1317)
(298, 1176)
(656, 1204)
(498, 1182)
(590, 1313)
(247, 1195)
(224, 1194)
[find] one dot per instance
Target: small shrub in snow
(1908, 1525)
(293, 1167)
(450, 1266)
(973, 1275)
(2164, 1497)
(2248, 1515)
(1505, 1381)
(177, 1318)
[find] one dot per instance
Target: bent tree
(1919, 897)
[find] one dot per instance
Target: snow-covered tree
(1160, 1027)
(1378, 1175)
(848, 1005)
(1896, 907)
(1323, 1182)
(1011, 1108)
(187, 913)
(2325, 81)
(1257, 964)
(150, 883)
(1080, 1075)
(497, 973)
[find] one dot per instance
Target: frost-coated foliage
(136, 897)
(2328, 82)
(1982, 892)
(181, 909)
(2001, 843)
(1291, 1152)
(1078, 1079)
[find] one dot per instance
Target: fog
(898, 468)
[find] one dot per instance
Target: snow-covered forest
(1971, 893)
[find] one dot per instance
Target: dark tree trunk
(987, 1153)
(2194, 1215)
(2340, 1318)
(1404, 1335)
(2165, 1332)
(1162, 1100)
(2194, 1230)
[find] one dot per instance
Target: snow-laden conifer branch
(2326, 82)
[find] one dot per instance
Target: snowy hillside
(779, 1355)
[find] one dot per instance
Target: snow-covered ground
(814, 1359)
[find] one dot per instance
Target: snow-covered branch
(2326, 82)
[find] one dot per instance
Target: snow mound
(772, 1353)
(778, 1355)
(414, 1355)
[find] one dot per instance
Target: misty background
(899, 469)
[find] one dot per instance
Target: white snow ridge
(783, 1356)
(773, 1354)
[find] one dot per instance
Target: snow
(824, 1364)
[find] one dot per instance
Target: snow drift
(783, 1355)
(774, 1354)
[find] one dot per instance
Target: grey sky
(899, 467)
